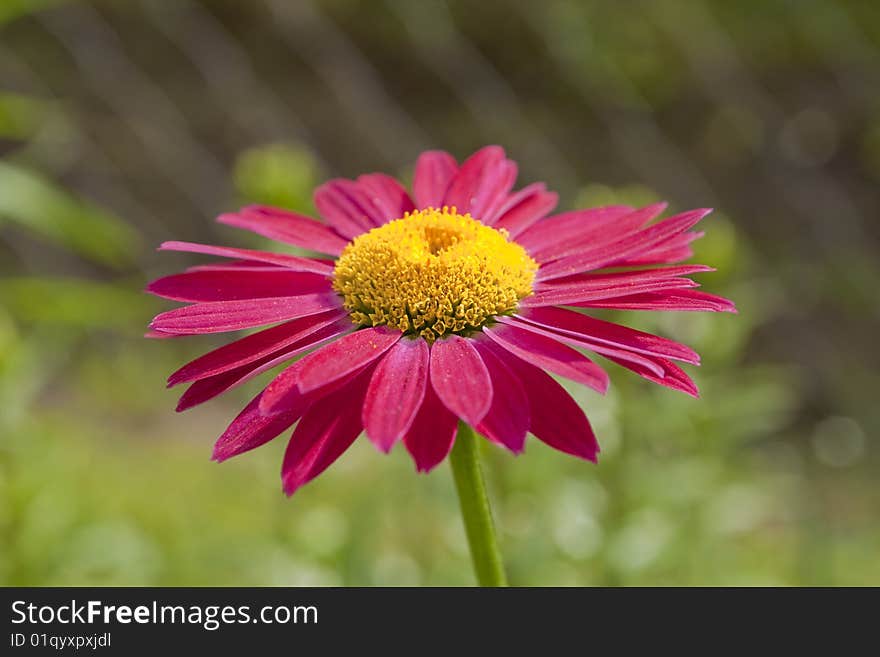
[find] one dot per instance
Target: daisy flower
(453, 304)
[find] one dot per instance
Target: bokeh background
(123, 124)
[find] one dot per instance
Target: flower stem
(474, 502)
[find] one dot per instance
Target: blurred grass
(102, 483)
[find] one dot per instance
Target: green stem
(465, 460)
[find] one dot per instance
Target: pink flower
(444, 304)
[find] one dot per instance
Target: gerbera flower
(452, 303)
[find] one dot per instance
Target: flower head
(433, 273)
(448, 304)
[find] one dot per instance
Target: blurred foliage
(35, 203)
(19, 115)
(278, 175)
(770, 478)
(73, 303)
(10, 9)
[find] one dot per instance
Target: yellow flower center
(432, 273)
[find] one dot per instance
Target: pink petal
(547, 353)
(221, 316)
(672, 377)
(287, 227)
(616, 278)
(432, 433)
(675, 249)
(338, 360)
(347, 208)
(434, 171)
(513, 200)
(460, 378)
(574, 295)
(627, 247)
(255, 346)
(250, 429)
(679, 300)
(209, 387)
(571, 323)
(659, 257)
(581, 341)
(236, 265)
(497, 185)
(477, 180)
(524, 208)
(158, 335)
(284, 393)
(555, 418)
(387, 195)
(396, 392)
(568, 226)
(245, 283)
(507, 421)
(601, 230)
(326, 430)
(344, 356)
(290, 262)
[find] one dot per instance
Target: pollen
(432, 273)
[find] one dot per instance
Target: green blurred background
(123, 124)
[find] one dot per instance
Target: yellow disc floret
(431, 273)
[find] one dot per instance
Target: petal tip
(290, 486)
(425, 469)
(227, 218)
(384, 446)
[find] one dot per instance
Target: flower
(448, 304)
